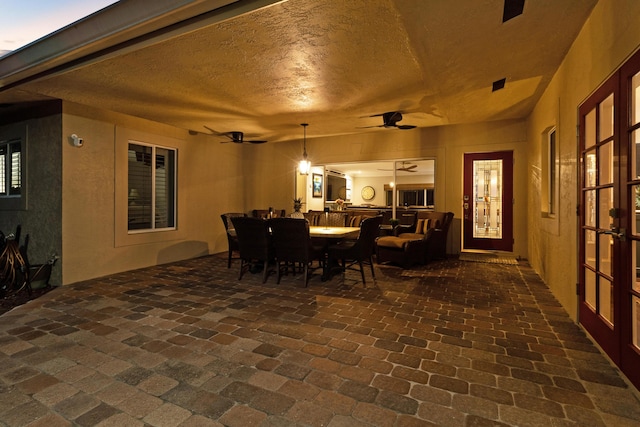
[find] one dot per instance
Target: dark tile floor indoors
(453, 343)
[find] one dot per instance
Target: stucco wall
(610, 35)
(447, 144)
(41, 216)
(215, 178)
(96, 242)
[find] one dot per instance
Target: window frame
(552, 173)
(153, 202)
(550, 168)
(14, 135)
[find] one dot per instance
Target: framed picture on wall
(317, 185)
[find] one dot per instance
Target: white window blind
(151, 187)
(11, 168)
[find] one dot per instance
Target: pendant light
(305, 165)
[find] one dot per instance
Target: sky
(24, 21)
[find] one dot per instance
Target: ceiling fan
(235, 136)
(390, 120)
(404, 168)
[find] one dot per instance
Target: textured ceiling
(332, 64)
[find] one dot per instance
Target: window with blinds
(151, 187)
(421, 195)
(11, 168)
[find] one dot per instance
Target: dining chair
(293, 246)
(264, 213)
(232, 239)
(360, 251)
(333, 219)
(255, 245)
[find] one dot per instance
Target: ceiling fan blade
(257, 141)
(231, 139)
(405, 127)
(368, 127)
(213, 132)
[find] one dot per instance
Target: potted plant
(297, 206)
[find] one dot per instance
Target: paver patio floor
(452, 343)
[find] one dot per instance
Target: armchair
(418, 243)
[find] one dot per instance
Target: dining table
(333, 232)
(331, 235)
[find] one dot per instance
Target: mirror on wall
(410, 182)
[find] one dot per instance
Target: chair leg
(362, 272)
(373, 273)
(279, 270)
(242, 265)
(306, 274)
(264, 271)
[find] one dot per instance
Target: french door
(488, 201)
(609, 277)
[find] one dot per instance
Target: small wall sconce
(77, 141)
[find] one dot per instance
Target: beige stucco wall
(95, 239)
(41, 210)
(447, 144)
(609, 36)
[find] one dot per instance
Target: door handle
(620, 234)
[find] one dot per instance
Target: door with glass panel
(630, 161)
(601, 234)
(488, 201)
(609, 277)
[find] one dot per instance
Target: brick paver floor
(453, 343)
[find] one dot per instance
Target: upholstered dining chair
(360, 251)
(232, 239)
(292, 245)
(333, 219)
(255, 245)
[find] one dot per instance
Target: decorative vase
(297, 214)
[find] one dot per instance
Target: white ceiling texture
(263, 67)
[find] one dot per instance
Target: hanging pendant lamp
(305, 165)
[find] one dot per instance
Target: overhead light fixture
(305, 165)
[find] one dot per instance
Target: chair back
(291, 240)
(253, 238)
(264, 213)
(333, 219)
(369, 231)
(226, 219)
(408, 218)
